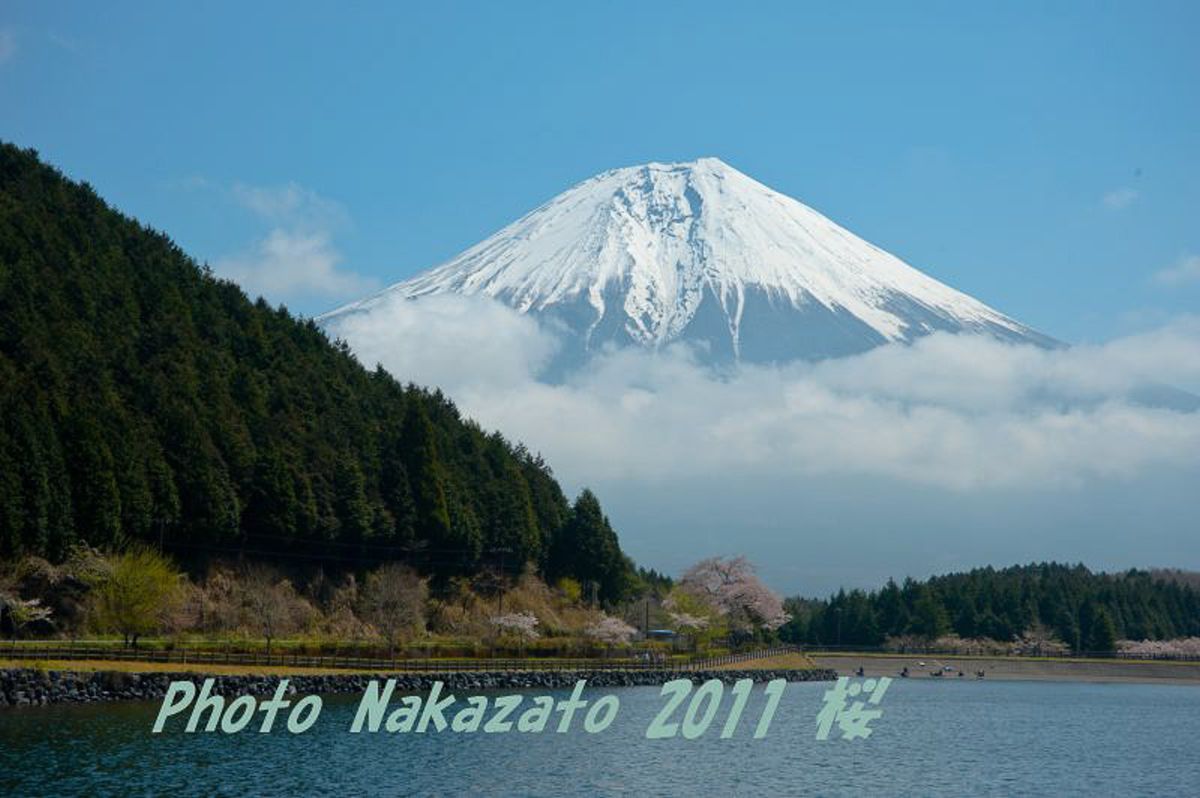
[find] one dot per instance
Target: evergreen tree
(1088, 611)
(353, 512)
(587, 549)
(929, 618)
(426, 484)
(1101, 631)
(141, 398)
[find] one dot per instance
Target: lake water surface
(935, 738)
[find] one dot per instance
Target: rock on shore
(32, 687)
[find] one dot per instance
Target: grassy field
(1091, 670)
(90, 665)
(781, 662)
(771, 663)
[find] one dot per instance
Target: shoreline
(58, 682)
(1015, 668)
(22, 687)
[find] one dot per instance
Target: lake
(935, 737)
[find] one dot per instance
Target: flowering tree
(686, 622)
(732, 590)
(610, 630)
(1183, 647)
(522, 625)
(690, 613)
(22, 612)
(1039, 640)
(692, 616)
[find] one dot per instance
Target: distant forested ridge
(1085, 610)
(142, 398)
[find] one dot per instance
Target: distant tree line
(143, 399)
(1085, 610)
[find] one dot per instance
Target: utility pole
(500, 550)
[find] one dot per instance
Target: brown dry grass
(781, 662)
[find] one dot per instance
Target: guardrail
(185, 656)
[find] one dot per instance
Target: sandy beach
(1072, 670)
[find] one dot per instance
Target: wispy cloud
(296, 259)
(1185, 270)
(1120, 198)
(291, 204)
(8, 45)
(287, 265)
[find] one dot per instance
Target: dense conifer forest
(1084, 610)
(141, 398)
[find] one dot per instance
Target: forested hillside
(142, 398)
(1084, 610)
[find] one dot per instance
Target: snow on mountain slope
(700, 252)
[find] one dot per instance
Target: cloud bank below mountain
(960, 419)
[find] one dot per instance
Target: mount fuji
(700, 253)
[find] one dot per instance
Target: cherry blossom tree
(22, 612)
(1181, 648)
(522, 625)
(688, 623)
(732, 589)
(1039, 640)
(694, 616)
(610, 630)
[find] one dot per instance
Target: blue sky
(1044, 160)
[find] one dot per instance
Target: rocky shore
(33, 687)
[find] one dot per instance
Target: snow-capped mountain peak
(699, 251)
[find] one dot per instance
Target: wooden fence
(185, 655)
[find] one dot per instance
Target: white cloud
(1185, 270)
(959, 413)
(907, 460)
(296, 260)
(1120, 198)
(468, 342)
(291, 204)
(288, 265)
(8, 45)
